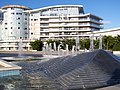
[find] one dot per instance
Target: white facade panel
(57, 20)
(14, 23)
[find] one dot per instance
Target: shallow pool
(28, 78)
(9, 73)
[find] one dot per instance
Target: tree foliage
(116, 47)
(87, 43)
(52, 42)
(69, 42)
(109, 43)
(37, 45)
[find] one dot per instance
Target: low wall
(116, 52)
(8, 66)
(4, 64)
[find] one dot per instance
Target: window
(25, 22)
(18, 13)
(60, 18)
(25, 28)
(65, 9)
(18, 22)
(4, 8)
(31, 33)
(18, 27)
(44, 19)
(18, 18)
(35, 19)
(11, 28)
(13, 13)
(66, 28)
(65, 23)
(12, 8)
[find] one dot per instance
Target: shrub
(116, 47)
(37, 45)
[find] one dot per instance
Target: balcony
(44, 31)
(48, 36)
(96, 26)
(44, 21)
(74, 35)
(95, 21)
(63, 30)
(44, 36)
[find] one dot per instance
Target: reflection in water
(29, 79)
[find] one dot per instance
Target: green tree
(82, 44)
(96, 43)
(69, 42)
(52, 42)
(116, 46)
(117, 38)
(108, 42)
(37, 45)
(87, 43)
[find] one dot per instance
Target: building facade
(14, 22)
(61, 21)
(53, 22)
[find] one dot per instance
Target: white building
(14, 45)
(62, 21)
(14, 22)
(54, 22)
(112, 32)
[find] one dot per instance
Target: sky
(108, 10)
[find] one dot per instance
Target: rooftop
(56, 6)
(16, 6)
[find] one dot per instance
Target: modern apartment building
(14, 25)
(61, 21)
(14, 22)
(53, 22)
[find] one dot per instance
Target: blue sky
(106, 9)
